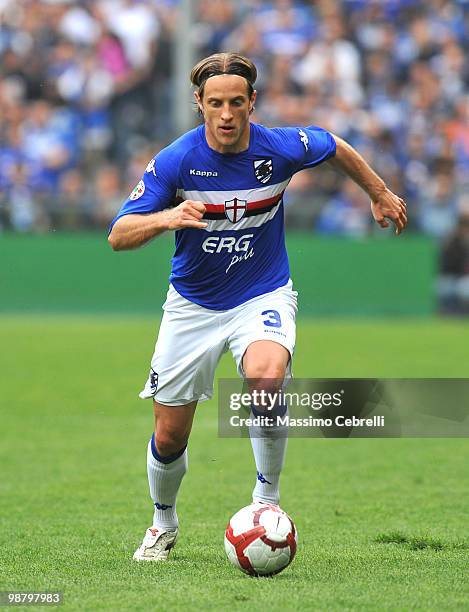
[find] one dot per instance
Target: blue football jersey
(241, 253)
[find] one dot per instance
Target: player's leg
(265, 364)
(182, 369)
(166, 467)
(167, 460)
(262, 344)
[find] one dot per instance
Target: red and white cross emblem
(235, 209)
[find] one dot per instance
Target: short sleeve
(318, 146)
(156, 189)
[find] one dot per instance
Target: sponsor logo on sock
(260, 478)
(161, 506)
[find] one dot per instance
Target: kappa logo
(261, 478)
(194, 172)
(304, 138)
(153, 380)
(263, 169)
(151, 167)
(235, 209)
(159, 506)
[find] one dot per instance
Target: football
(261, 539)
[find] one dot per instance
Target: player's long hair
(223, 63)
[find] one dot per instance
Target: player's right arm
(147, 212)
(134, 230)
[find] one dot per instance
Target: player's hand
(187, 214)
(389, 206)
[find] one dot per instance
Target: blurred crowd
(86, 98)
(78, 107)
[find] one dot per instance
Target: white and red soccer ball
(261, 539)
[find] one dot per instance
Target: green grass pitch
(382, 523)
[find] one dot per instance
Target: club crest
(263, 170)
(235, 209)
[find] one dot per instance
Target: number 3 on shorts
(273, 318)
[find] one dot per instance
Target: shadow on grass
(419, 542)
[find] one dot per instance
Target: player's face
(226, 107)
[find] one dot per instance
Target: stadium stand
(86, 86)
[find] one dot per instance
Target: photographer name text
(286, 421)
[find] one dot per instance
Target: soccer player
(220, 188)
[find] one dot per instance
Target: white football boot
(156, 544)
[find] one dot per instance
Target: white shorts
(192, 339)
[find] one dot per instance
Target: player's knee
(266, 376)
(168, 441)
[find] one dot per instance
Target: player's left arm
(384, 203)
